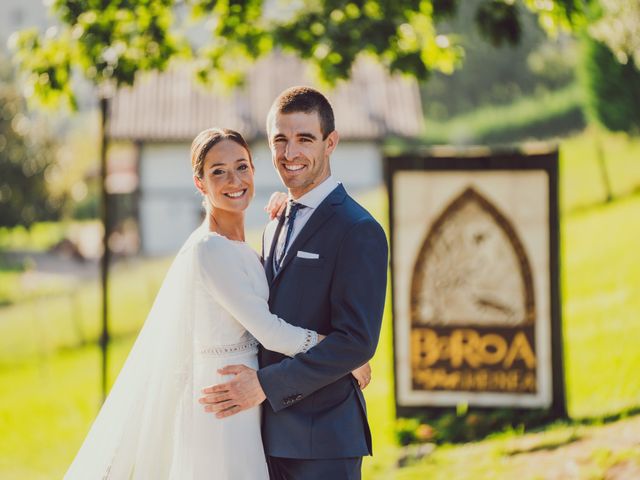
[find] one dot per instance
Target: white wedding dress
(211, 311)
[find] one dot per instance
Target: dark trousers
(314, 469)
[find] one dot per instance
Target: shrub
(447, 426)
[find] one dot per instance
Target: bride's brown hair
(206, 139)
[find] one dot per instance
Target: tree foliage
(610, 71)
(619, 28)
(612, 88)
(497, 75)
(108, 41)
(26, 152)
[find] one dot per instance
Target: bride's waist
(247, 347)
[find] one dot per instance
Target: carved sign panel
(472, 272)
(472, 290)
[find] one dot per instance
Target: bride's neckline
(223, 236)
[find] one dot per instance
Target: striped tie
(291, 217)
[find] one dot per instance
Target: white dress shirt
(311, 200)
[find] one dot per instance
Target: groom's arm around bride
(356, 286)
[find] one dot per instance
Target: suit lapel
(268, 262)
(324, 211)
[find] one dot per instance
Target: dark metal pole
(602, 163)
(106, 223)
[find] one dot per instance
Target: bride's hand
(276, 205)
(362, 375)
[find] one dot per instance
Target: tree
(26, 152)
(613, 88)
(610, 72)
(108, 41)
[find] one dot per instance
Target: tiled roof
(171, 106)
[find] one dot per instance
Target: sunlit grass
(581, 183)
(601, 307)
(39, 237)
(46, 408)
(536, 116)
(43, 325)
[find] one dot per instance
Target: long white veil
(149, 408)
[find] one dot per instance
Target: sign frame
(452, 159)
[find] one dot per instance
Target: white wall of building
(170, 205)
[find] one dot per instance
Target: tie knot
(293, 208)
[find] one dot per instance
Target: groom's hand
(241, 393)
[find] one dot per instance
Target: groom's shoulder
(352, 212)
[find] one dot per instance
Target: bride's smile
(236, 194)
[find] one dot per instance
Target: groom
(326, 262)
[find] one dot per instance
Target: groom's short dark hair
(307, 100)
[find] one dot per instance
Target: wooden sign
(474, 257)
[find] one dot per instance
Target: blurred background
(99, 102)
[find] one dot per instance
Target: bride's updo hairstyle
(206, 140)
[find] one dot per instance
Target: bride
(211, 311)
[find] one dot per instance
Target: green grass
(49, 396)
(601, 307)
(16, 288)
(46, 408)
(541, 116)
(42, 326)
(40, 237)
(10, 287)
(581, 182)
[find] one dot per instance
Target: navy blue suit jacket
(314, 407)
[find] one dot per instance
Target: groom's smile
(293, 167)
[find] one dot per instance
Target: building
(154, 122)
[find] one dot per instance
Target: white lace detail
(311, 340)
(249, 346)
